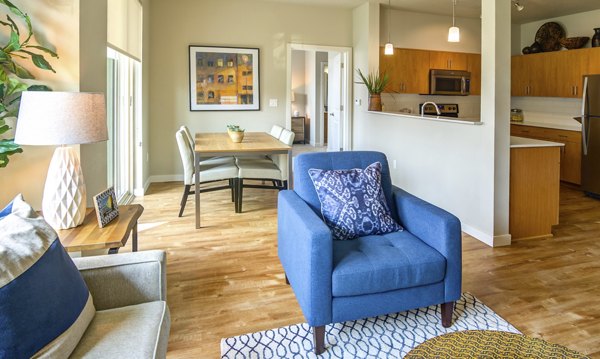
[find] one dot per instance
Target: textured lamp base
(64, 199)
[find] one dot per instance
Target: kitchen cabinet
(448, 60)
(570, 67)
(593, 56)
(408, 70)
(474, 67)
(570, 164)
(528, 75)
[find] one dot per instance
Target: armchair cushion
(352, 201)
(381, 263)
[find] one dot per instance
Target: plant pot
(374, 102)
(596, 37)
(236, 136)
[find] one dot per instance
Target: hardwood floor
(225, 279)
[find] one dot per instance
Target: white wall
(414, 30)
(321, 57)
(451, 165)
(298, 81)
(269, 26)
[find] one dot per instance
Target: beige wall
(268, 26)
(56, 23)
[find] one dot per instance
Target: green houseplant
(14, 77)
(376, 83)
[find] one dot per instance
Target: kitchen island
(534, 187)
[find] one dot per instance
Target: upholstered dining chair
(276, 131)
(343, 280)
(272, 168)
(211, 170)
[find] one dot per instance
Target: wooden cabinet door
(593, 56)
(541, 74)
(570, 169)
(458, 61)
(387, 64)
(568, 68)
(448, 60)
(414, 66)
(474, 67)
(519, 85)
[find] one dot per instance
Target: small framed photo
(106, 206)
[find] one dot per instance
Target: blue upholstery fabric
(304, 187)
(316, 265)
(380, 263)
(352, 201)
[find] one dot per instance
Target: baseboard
(140, 192)
(165, 178)
(492, 241)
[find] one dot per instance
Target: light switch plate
(357, 102)
(273, 102)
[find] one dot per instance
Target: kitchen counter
(522, 142)
(462, 121)
(559, 126)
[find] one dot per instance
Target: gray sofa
(130, 295)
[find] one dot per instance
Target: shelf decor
(224, 79)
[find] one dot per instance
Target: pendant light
(454, 31)
(389, 47)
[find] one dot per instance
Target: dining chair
(276, 131)
(211, 170)
(188, 133)
(272, 168)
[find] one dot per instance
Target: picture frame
(106, 206)
(224, 78)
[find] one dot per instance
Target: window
(211, 94)
(199, 62)
(200, 96)
(230, 79)
(220, 79)
(210, 63)
(211, 79)
(219, 62)
(230, 63)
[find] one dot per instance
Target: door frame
(346, 52)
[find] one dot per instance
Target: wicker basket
(574, 42)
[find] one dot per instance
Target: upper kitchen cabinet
(474, 67)
(527, 76)
(448, 60)
(408, 70)
(593, 56)
(570, 67)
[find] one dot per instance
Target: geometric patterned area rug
(386, 336)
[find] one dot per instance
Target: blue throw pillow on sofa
(352, 202)
(45, 305)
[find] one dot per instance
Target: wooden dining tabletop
(219, 144)
(258, 142)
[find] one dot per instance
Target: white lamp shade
(454, 34)
(61, 118)
(389, 49)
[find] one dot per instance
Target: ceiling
(534, 9)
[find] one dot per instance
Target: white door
(334, 102)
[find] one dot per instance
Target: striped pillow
(45, 306)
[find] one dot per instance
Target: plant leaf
(13, 25)
(40, 61)
(44, 49)
(39, 88)
(14, 43)
(22, 72)
(4, 129)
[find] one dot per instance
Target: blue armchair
(337, 281)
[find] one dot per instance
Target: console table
(89, 236)
(299, 128)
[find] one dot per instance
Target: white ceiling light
(518, 5)
(454, 31)
(389, 47)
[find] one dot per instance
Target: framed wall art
(224, 79)
(106, 207)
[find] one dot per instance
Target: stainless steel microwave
(449, 82)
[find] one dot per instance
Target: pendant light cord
(389, 18)
(453, 6)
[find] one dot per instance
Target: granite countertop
(463, 121)
(559, 126)
(522, 142)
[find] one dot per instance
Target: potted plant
(375, 82)
(236, 133)
(18, 50)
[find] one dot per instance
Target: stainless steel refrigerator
(590, 133)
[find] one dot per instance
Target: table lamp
(62, 119)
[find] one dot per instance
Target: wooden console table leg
(134, 239)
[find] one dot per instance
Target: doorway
(319, 89)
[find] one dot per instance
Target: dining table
(220, 144)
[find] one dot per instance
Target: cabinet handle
(576, 90)
(562, 136)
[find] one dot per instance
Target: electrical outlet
(273, 102)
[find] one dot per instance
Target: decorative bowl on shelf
(574, 42)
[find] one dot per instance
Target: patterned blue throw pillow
(352, 202)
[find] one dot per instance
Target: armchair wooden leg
(319, 339)
(447, 310)
(186, 192)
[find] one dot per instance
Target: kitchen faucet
(437, 110)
